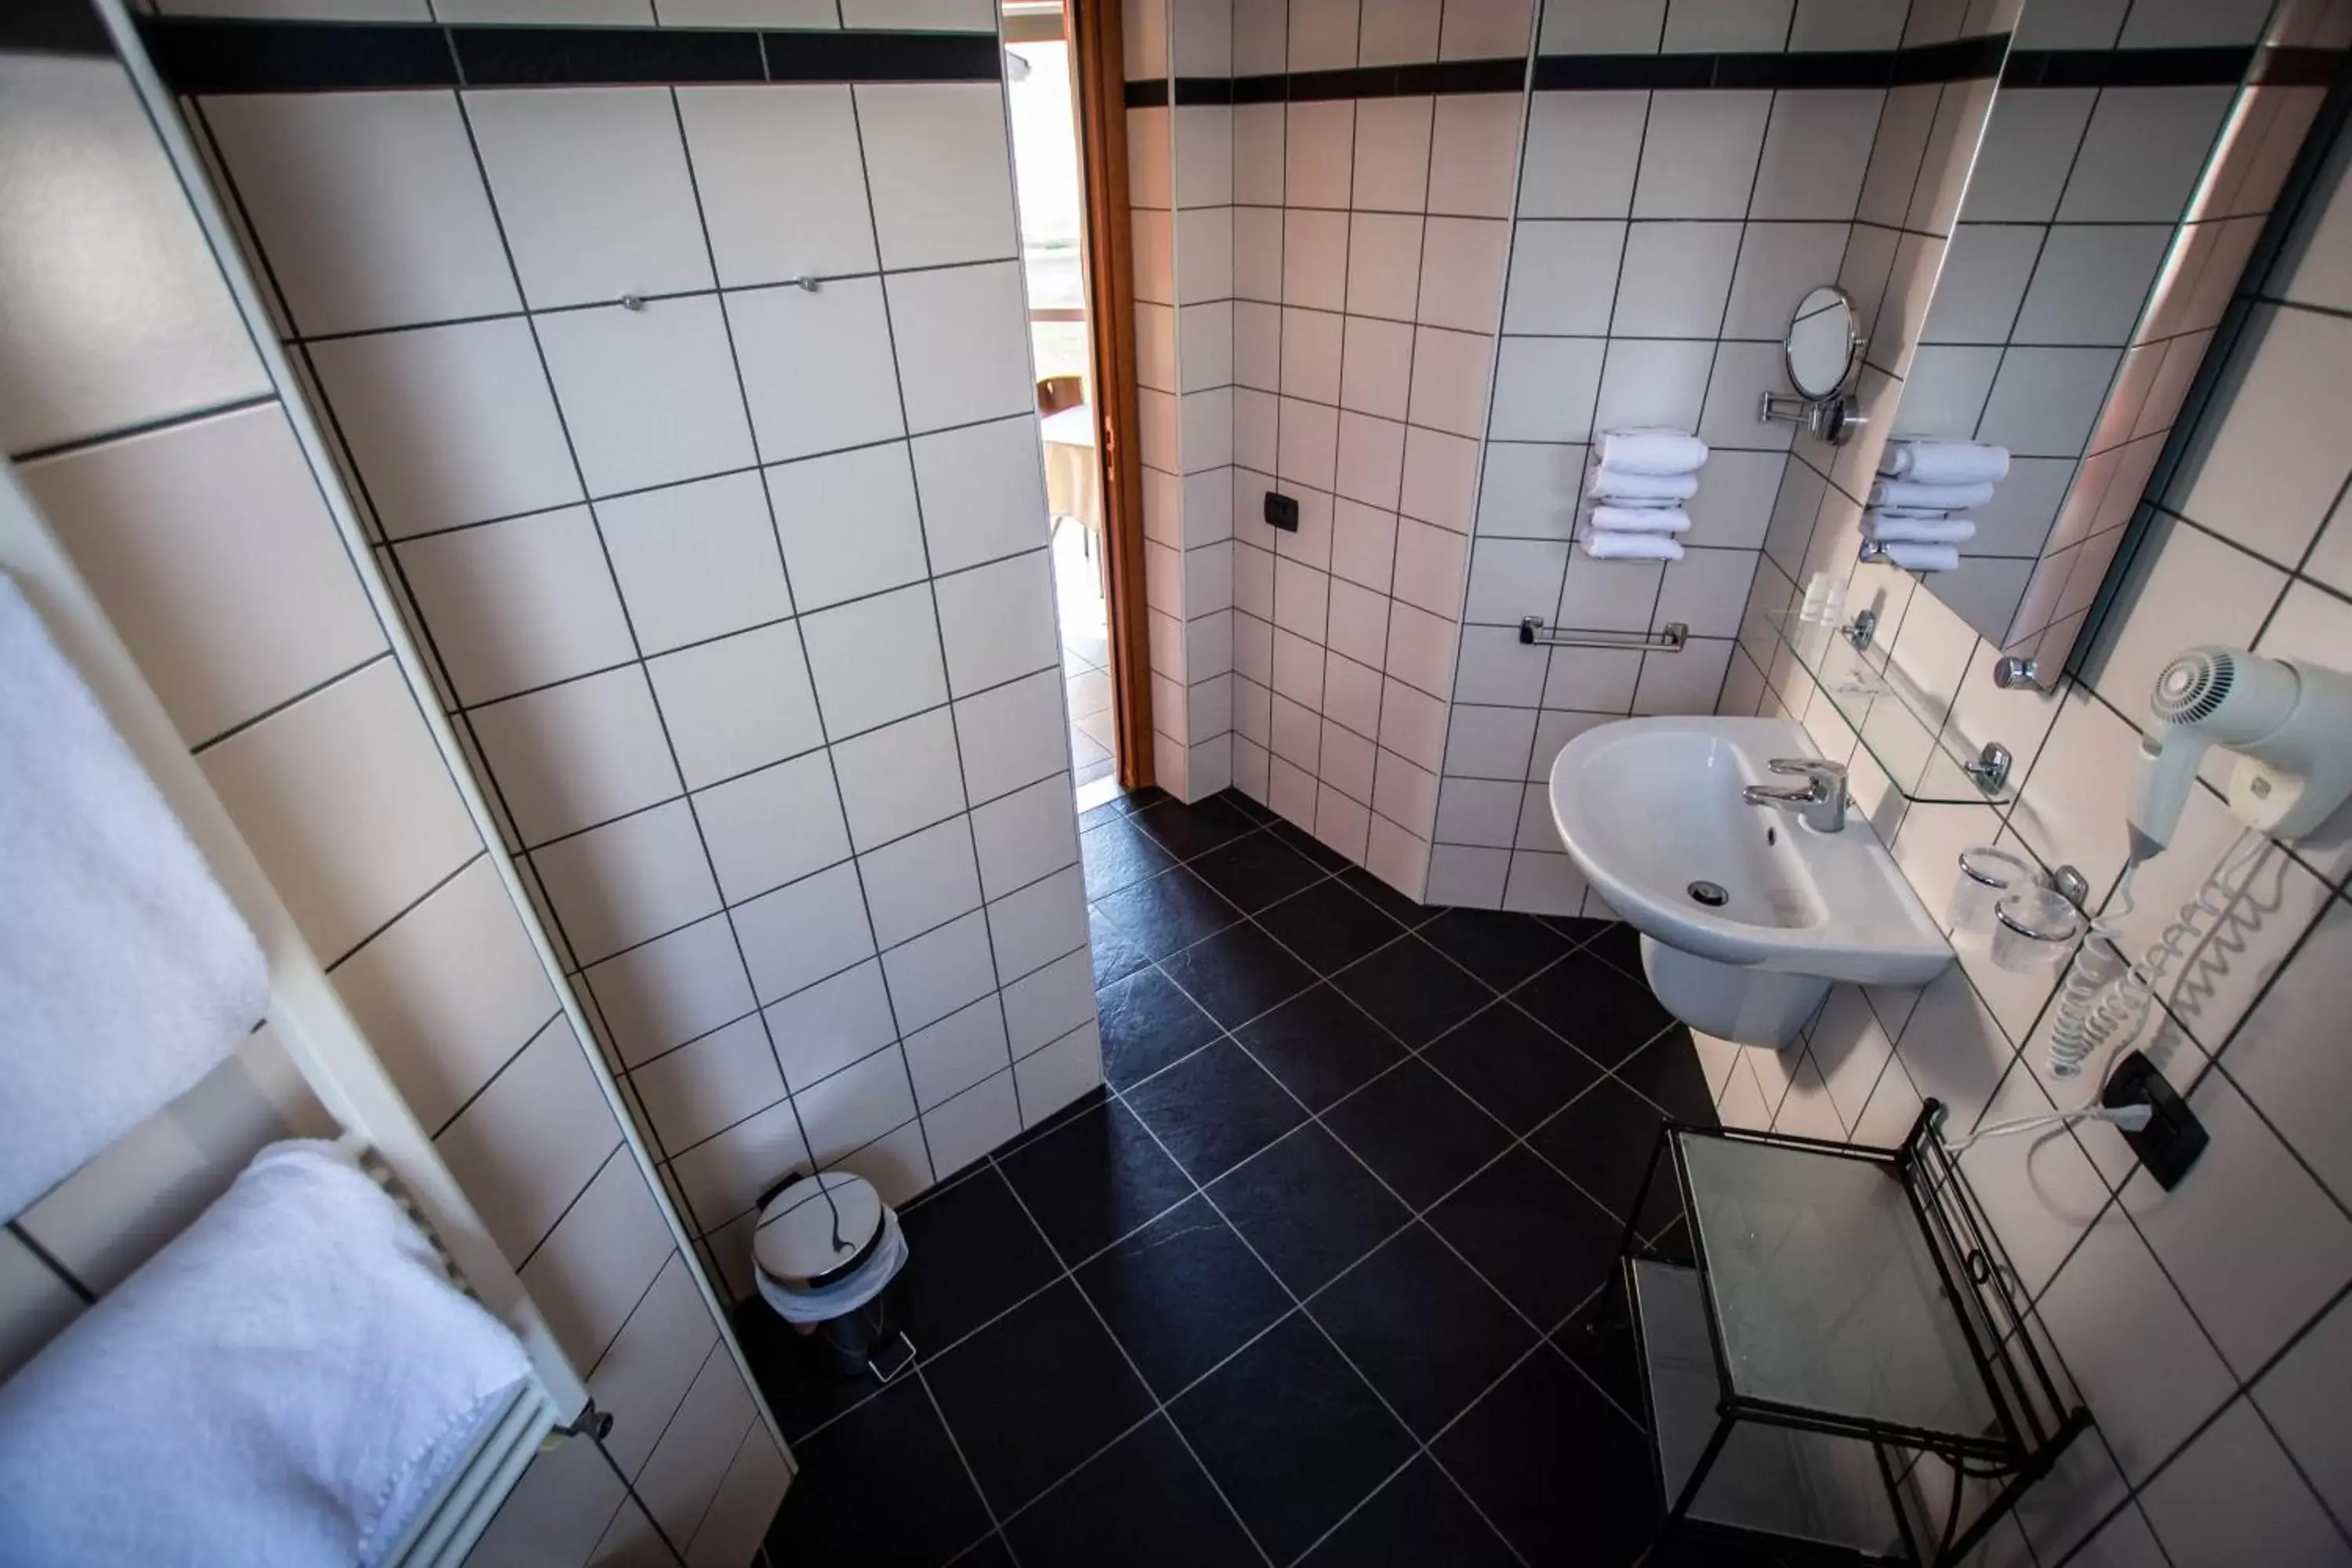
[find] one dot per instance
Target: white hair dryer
(2289, 721)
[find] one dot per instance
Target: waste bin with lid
(832, 1270)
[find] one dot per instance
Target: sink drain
(1711, 894)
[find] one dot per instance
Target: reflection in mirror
(1823, 342)
(2113, 204)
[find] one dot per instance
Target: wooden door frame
(1098, 76)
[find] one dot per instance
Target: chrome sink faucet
(1820, 800)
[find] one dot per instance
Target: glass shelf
(1924, 757)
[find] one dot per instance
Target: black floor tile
(1608, 1015)
(1577, 930)
(1417, 1130)
(1497, 946)
(1255, 811)
(1173, 910)
(1181, 1294)
(1214, 1110)
(1604, 1139)
(1422, 1328)
(1413, 989)
(1418, 1518)
(1108, 811)
(849, 1505)
(1387, 900)
(1667, 1072)
(1600, 1340)
(1306, 844)
(1535, 1237)
(1620, 944)
(1256, 870)
(1144, 1501)
(1320, 1045)
(1293, 1435)
(1116, 955)
(801, 1393)
(1185, 831)
(970, 1252)
(1117, 855)
(1512, 1065)
(1309, 1207)
(989, 1551)
(1238, 973)
(1091, 1181)
(1147, 1023)
(1328, 926)
(1562, 1475)
(1034, 1394)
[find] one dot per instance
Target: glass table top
(1828, 1299)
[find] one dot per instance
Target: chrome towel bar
(1532, 629)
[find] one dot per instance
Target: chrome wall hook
(806, 283)
(633, 301)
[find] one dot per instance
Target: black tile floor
(1312, 1280)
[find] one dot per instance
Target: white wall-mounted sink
(1652, 808)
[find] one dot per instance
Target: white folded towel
(1924, 557)
(1641, 519)
(289, 1380)
(125, 972)
(1944, 462)
(1603, 544)
(1898, 529)
(1652, 452)
(1615, 484)
(1921, 495)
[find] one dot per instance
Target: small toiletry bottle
(1834, 606)
(1817, 593)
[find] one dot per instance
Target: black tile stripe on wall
(53, 27)
(211, 55)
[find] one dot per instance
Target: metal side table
(1844, 1311)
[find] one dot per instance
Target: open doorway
(1046, 139)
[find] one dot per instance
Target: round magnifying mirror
(1823, 341)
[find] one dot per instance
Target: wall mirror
(1823, 344)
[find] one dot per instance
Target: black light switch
(1281, 511)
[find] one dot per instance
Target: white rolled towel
(1641, 519)
(1921, 495)
(1605, 544)
(1652, 452)
(1924, 557)
(1945, 462)
(1617, 484)
(1889, 530)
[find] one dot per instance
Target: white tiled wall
(738, 592)
(2200, 1324)
(152, 440)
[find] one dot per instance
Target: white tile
(1461, 272)
(1677, 277)
(574, 755)
(936, 161)
(588, 13)
(1815, 153)
(1742, 372)
(1383, 265)
(972, 1123)
(604, 362)
(816, 367)
(1449, 380)
(964, 346)
(645, 1374)
(1322, 35)
(1057, 1074)
(876, 660)
(2044, 401)
(698, 1090)
(627, 881)
(899, 778)
(1012, 735)
(1583, 151)
(982, 492)
(1392, 151)
(448, 424)
(1563, 277)
(960, 1050)
(922, 15)
(772, 824)
(1041, 922)
(2269, 470)
(1531, 489)
(1310, 443)
(996, 622)
(1378, 372)
(297, 782)
(1318, 153)
(119, 316)
(1204, 335)
(725, 1177)
(736, 703)
(1688, 683)
(670, 990)
(1987, 267)
(2275, 1057)
(2029, 146)
(1025, 835)
(1545, 389)
(1474, 145)
(1204, 157)
(1150, 174)
(849, 523)
(2142, 153)
(1439, 473)
(1699, 153)
(1658, 382)
(1204, 235)
(769, 217)
(592, 192)
(1310, 347)
(695, 561)
(532, 1140)
(1363, 544)
(203, 526)
(2233, 1496)
(368, 205)
(1315, 259)
(1706, 590)
(595, 1264)
(1847, 25)
(934, 975)
(922, 880)
(1778, 263)
(2090, 283)
(1040, 1008)
(2297, 1397)
(799, 934)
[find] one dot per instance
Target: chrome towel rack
(1532, 629)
